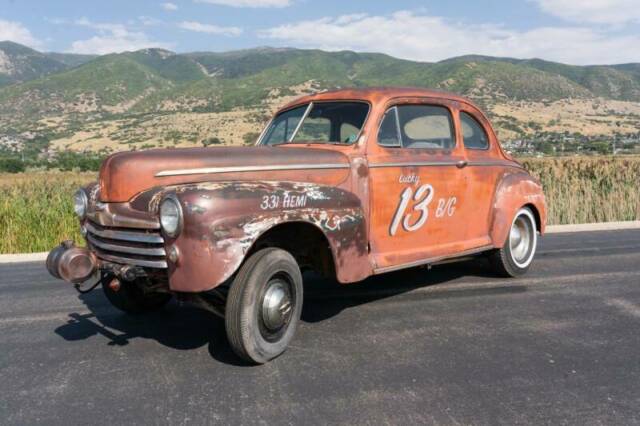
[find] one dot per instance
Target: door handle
(461, 164)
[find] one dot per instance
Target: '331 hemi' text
(285, 201)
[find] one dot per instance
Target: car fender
(223, 220)
(514, 191)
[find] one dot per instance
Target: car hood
(126, 174)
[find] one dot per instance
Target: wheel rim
(276, 307)
(522, 240)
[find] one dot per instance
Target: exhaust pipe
(70, 263)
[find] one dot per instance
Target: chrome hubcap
(276, 305)
(520, 239)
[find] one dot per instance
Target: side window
(388, 132)
(314, 129)
(348, 132)
(425, 126)
(473, 132)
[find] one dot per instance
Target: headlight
(171, 216)
(80, 202)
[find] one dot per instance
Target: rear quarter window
(473, 133)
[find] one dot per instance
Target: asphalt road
(453, 345)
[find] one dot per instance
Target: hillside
(19, 63)
(155, 97)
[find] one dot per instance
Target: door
(485, 166)
(417, 184)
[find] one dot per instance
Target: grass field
(589, 189)
(36, 210)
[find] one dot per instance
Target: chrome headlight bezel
(171, 216)
(80, 203)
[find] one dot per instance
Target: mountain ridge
(619, 81)
(196, 94)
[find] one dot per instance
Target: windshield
(322, 122)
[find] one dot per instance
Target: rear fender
(514, 191)
(223, 220)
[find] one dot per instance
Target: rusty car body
(356, 182)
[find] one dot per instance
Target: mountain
(19, 63)
(70, 59)
(620, 82)
(64, 95)
(150, 79)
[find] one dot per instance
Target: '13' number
(416, 218)
(422, 197)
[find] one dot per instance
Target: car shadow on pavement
(178, 327)
(187, 327)
(325, 299)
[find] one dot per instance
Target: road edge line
(586, 227)
(23, 257)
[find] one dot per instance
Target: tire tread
(237, 326)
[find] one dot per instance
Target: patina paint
(223, 220)
(379, 208)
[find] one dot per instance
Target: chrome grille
(138, 247)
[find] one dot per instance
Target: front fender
(514, 191)
(223, 220)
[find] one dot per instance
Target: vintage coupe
(348, 183)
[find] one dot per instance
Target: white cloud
(149, 21)
(209, 29)
(593, 11)
(18, 33)
(169, 6)
(248, 3)
(423, 37)
(112, 38)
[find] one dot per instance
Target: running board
(434, 260)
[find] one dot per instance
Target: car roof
(376, 95)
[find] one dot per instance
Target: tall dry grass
(589, 189)
(36, 210)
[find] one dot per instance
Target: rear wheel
(264, 305)
(131, 298)
(516, 255)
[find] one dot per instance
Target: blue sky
(570, 31)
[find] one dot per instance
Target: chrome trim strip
(414, 164)
(146, 251)
(211, 170)
(487, 163)
(432, 260)
(124, 235)
(136, 262)
(443, 163)
(494, 164)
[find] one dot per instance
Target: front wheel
(264, 305)
(516, 255)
